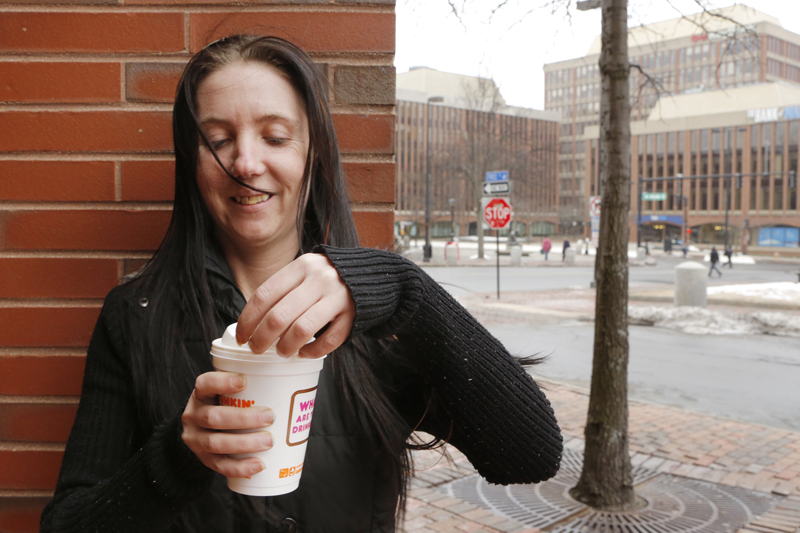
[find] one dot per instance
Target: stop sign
(497, 213)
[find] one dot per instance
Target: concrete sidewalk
(663, 439)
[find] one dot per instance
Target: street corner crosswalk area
(696, 473)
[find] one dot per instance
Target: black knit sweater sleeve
(486, 404)
(107, 483)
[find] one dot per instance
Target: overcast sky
(513, 44)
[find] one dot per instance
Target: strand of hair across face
(327, 229)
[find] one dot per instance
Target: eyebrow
(271, 117)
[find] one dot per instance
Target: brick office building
(685, 55)
(471, 131)
(85, 178)
(713, 133)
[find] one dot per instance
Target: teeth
(250, 200)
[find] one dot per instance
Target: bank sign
(774, 114)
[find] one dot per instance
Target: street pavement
(665, 439)
(662, 438)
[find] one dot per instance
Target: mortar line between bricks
(6, 303)
(25, 493)
(9, 206)
(378, 59)
(368, 158)
(370, 207)
(120, 268)
(11, 399)
(118, 181)
(61, 107)
(363, 109)
(75, 254)
(123, 86)
(41, 351)
(87, 156)
(193, 9)
(187, 32)
(16, 446)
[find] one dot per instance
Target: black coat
(117, 476)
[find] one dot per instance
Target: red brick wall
(85, 177)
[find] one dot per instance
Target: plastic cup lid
(227, 345)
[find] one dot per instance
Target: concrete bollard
(437, 255)
(452, 256)
(569, 257)
(691, 281)
(414, 254)
(641, 253)
(516, 255)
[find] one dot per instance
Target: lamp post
(452, 202)
(426, 250)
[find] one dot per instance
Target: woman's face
(258, 127)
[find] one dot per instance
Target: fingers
(266, 296)
(214, 450)
(333, 337)
(231, 443)
(283, 316)
(219, 417)
(294, 304)
(209, 385)
(230, 467)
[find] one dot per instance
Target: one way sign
(496, 187)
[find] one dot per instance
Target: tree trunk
(606, 481)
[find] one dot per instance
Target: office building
(709, 95)
(472, 131)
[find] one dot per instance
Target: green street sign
(654, 196)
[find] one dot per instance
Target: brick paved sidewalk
(662, 438)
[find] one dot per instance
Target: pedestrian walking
(564, 250)
(546, 245)
(729, 255)
(714, 261)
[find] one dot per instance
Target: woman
(254, 147)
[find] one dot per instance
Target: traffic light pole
(497, 234)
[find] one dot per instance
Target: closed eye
(276, 141)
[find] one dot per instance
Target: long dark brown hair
(175, 279)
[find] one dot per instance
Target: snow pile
(785, 291)
(702, 321)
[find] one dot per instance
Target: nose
(249, 162)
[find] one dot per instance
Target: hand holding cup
(205, 424)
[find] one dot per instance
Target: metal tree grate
(673, 503)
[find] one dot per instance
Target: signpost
(497, 175)
(654, 196)
(497, 214)
(496, 187)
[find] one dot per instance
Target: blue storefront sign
(779, 236)
(670, 219)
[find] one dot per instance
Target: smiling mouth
(250, 200)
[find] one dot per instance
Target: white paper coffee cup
(288, 386)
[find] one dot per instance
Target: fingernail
(266, 441)
(238, 381)
(257, 467)
(267, 416)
